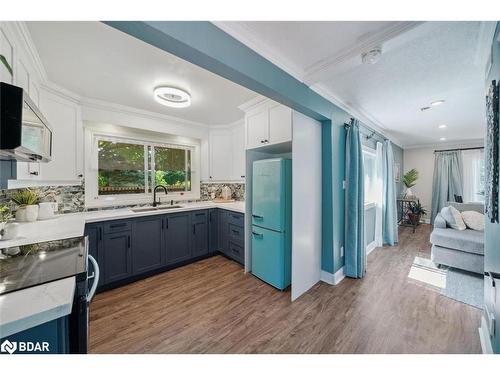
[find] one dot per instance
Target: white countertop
(73, 225)
(33, 306)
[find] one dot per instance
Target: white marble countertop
(73, 225)
(33, 306)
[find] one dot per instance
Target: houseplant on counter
(409, 179)
(5, 216)
(27, 202)
(416, 212)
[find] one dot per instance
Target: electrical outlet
(341, 251)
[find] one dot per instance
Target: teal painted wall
(205, 45)
(492, 230)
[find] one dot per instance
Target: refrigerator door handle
(257, 216)
(95, 277)
(260, 235)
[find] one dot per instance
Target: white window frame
(94, 200)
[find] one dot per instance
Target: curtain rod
(461, 149)
(367, 136)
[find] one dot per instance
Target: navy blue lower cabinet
(94, 236)
(199, 238)
(117, 249)
(177, 237)
(147, 244)
(223, 231)
(213, 230)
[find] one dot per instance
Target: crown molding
(357, 112)
(252, 103)
(318, 71)
(123, 109)
(245, 35)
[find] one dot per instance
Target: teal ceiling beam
(205, 45)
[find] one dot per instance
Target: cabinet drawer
(199, 217)
(236, 218)
(117, 226)
(236, 252)
(236, 234)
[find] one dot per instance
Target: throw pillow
(453, 218)
(473, 220)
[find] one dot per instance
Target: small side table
(404, 208)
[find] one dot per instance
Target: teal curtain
(355, 248)
(389, 210)
(447, 181)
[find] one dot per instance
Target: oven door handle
(96, 279)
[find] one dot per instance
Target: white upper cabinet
(268, 123)
(280, 124)
(257, 129)
(65, 119)
(227, 153)
(239, 161)
(221, 155)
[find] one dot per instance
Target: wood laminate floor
(213, 307)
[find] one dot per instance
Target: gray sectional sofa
(463, 249)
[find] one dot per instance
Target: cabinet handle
(194, 228)
(80, 175)
(257, 217)
(236, 231)
(34, 173)
(262, 141)
(210, 217)
(100, 233)
(129, 242)
(167, 222)
(162, 224)
(242, 176)
(260, 235)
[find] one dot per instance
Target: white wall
(422, 159)
(306, 204)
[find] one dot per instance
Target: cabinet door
(213, 232)
(221, 160)
(117, 256)
(199, 240)
(64, 118)
(280, 124)
(223, 231)
(94, 237)
(239, 159)
(257, 129)
(177, 237)
(147, 244)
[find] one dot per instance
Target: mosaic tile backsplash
(206, 190)
(69, 198)
(72, 198)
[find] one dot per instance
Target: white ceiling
(421, 62)
(99, 62)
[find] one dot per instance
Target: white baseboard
(370, 247)
(484, 337)
(333, 279)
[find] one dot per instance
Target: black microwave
(25, 134)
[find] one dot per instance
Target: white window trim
(92, 198)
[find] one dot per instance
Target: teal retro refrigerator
(272, 221)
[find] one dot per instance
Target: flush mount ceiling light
(442, 126)
(372, 56)
(172, 97)
(437, 102)
(442, 139)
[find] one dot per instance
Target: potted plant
(5, 216)
(415, 213)
(26, 201)
(409, 179)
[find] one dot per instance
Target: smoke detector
(371, 56)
